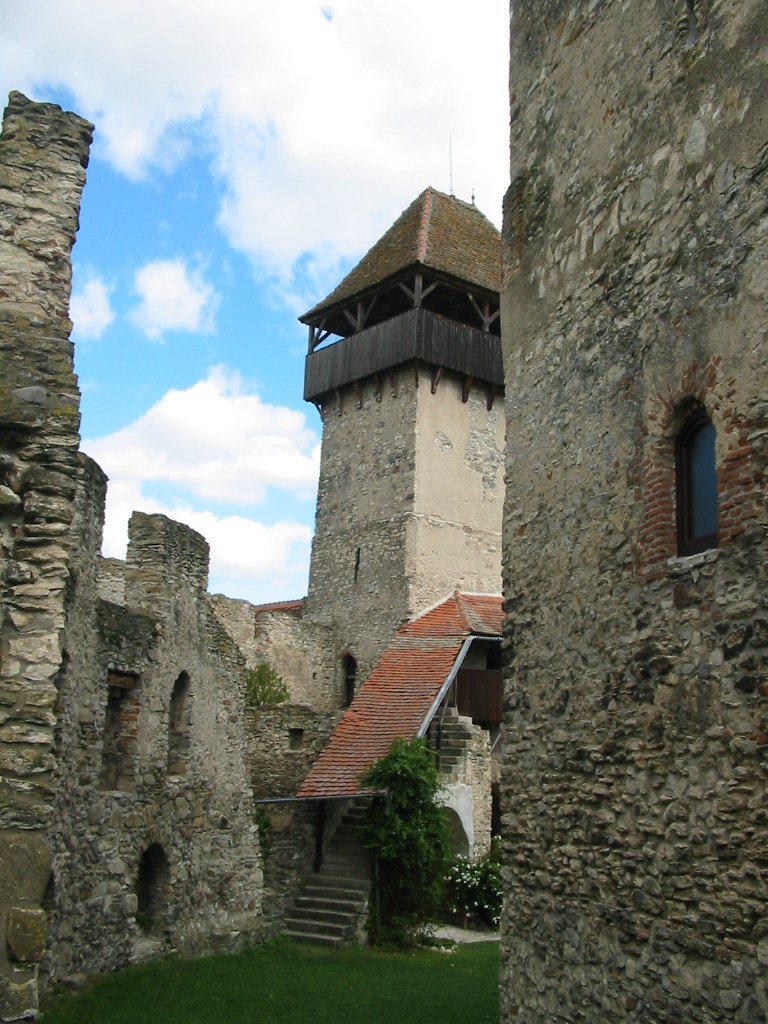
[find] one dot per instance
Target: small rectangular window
(295, 739)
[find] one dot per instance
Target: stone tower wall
(43, 155)
(365, 495)
(411, 477)
(455, 537)
(635, 238)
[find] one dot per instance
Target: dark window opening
(493, 658)
(179, 726)
(696, 480)
(295, 739)
(118, 751)
(350, 678)
(357, 563)
(153, 890)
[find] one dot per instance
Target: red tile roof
(292, 607)
(437, 231)
(396, 697)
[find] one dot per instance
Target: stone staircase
(455, 731)
(332, 906)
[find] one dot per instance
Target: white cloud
(322, 123)
(215, 443)
(172, 298)
(91, 310)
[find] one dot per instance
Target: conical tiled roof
(440, 233)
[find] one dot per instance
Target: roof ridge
(422, 241)
(463, 617)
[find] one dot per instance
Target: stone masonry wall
(283, 743)
(304, 654)
(357, 580)
(409, 506)
(636, 730)
(150, 757)
(43, 155)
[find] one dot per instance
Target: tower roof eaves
(437, 232)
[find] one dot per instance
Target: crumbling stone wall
(409, 505)
(126, 817)
(43, 155)
(635, 820)
(168, 773)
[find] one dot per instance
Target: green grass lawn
(281, 982)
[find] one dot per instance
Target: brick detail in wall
(738, 478)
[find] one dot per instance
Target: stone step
(317, 938)
(320, 925)
(341, 888)
(345, 867)
(330, 904)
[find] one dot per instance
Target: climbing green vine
(408, 836)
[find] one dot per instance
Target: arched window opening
(350, 679)
(696, 479)
(457, 836)
(153, 886)
(179, 726)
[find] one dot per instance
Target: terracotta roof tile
(292, 607)
(438, 232)
(396, 697)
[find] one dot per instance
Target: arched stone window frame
(696, 491)
(179, 725)
(153, 890)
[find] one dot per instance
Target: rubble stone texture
(636, 242)
(43, 155)
(126, 817)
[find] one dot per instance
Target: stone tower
(411, 478)
(636, 728)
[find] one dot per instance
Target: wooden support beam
(466, 387)
(352, 319)
(490, 397)
(437, 373)
(340, 399)
(377, 387)
(418, 291)
(359, 393)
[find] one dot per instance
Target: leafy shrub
(264, 687)
(474, 886)
(408, 835)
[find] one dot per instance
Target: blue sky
(246, 155)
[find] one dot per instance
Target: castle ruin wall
(146, 764)
(43, 155)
